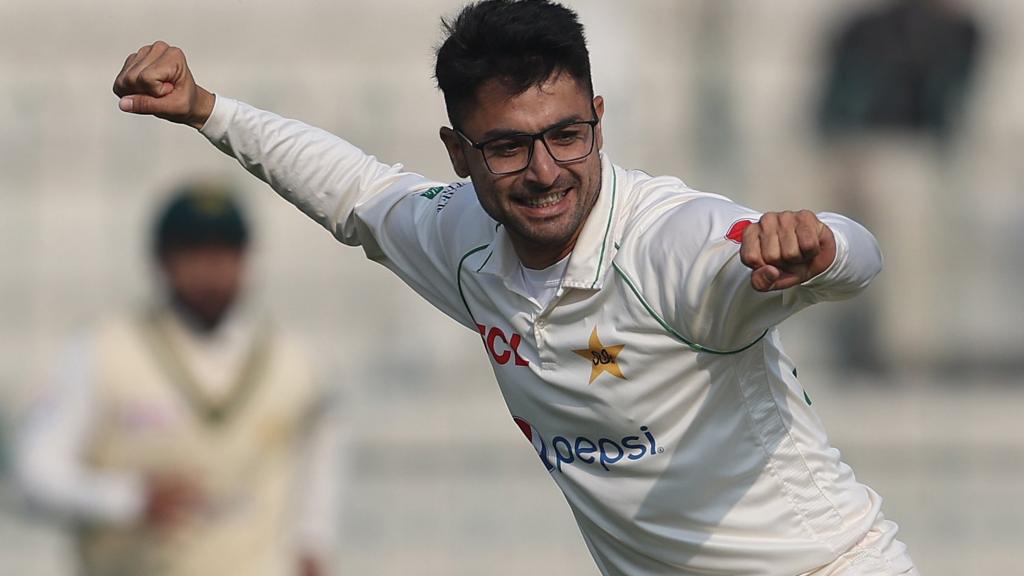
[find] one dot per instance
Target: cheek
(226, 277)
(487, 203)
(491, 194)
(593, 176)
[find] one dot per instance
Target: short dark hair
(521, 43)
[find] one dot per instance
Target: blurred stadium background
(919, 384)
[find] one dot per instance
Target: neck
(539, 256)
(194, 320)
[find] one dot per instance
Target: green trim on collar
(169, 358)
(486, 260)
(607, 229)
(672, 331)
(458, 277)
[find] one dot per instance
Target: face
(206, 280)
(543, 207)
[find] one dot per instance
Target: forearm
(693, 271)
(50, 448)
(69, 491)
(743, 313)
(321, 174)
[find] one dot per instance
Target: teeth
(544, 201)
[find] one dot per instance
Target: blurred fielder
(189, 440)
(629, 319)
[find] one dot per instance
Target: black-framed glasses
(568, 142)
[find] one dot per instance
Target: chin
(550, 238)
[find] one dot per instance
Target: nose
(542, 170)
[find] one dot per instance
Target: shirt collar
(594, 249)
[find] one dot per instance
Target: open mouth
(549, 199)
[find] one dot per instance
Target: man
(189, 440)
(900, 80)
(630, 321)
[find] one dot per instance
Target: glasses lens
(508, 154)
(570, 142)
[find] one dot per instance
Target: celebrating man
(630, 320)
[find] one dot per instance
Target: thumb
(140, 104)
(764, 278)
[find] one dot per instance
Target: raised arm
(323, 175)
(406, 222)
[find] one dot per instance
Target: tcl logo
(503, 349)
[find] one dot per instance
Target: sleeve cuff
(832, 272)
(216, 126)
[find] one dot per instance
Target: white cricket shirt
(653, 385)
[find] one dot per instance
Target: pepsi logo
(604, 452)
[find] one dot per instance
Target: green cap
(201, 214)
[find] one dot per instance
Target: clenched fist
(785, 249)
(156, 81)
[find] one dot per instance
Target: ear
(599, 110)
(456, 153)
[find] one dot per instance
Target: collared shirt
(653, 385)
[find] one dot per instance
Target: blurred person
(898, 76)
(630, 321)
(189, 439)
(903, 65)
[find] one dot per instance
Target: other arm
(736, 273)
(50, 453)
(51, 468)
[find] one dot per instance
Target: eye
(505, 148)
(566, 135)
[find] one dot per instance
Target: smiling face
(543, 207)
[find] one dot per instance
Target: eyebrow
(507, 132)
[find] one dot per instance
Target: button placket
(541, 332)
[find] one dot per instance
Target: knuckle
(807, 239)
(749, 254)
(149, 74)
(161, 45)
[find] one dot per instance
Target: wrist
(203, 108)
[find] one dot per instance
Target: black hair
(521, 43)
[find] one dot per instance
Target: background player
(189, 439)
